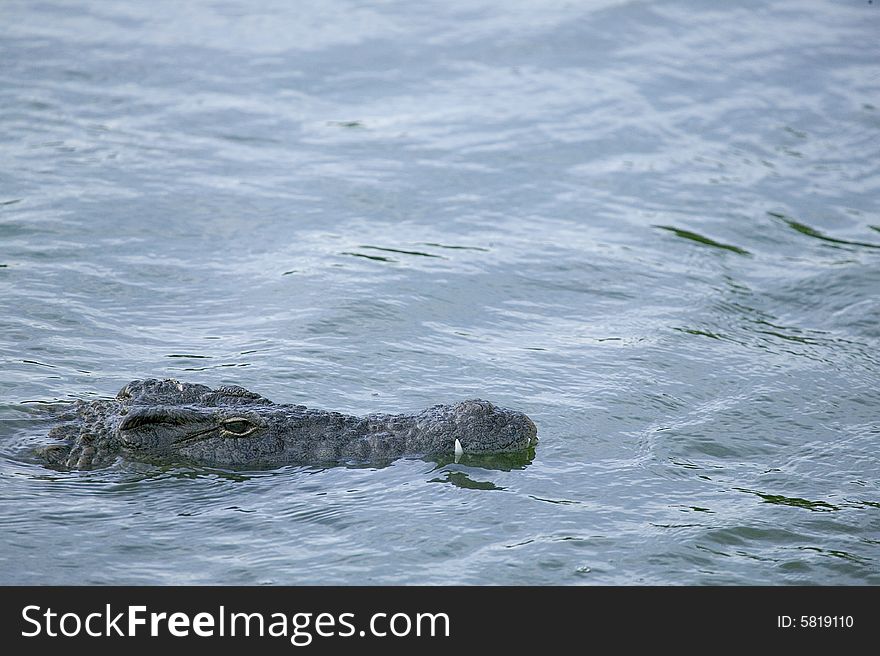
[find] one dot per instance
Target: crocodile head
(230, 426)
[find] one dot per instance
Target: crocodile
(230, 426)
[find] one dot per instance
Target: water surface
(653, 227)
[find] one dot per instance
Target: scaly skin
(166, 420)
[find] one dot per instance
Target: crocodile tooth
(458, 450)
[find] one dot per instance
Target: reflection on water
(653, 227)
(700, 239)
(498, 461)
(812, 232)
(819, 506)
(464, 481)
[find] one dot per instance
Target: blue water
(654, 227)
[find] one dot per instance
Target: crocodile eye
(238, 426)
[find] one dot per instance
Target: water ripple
(652, 227)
